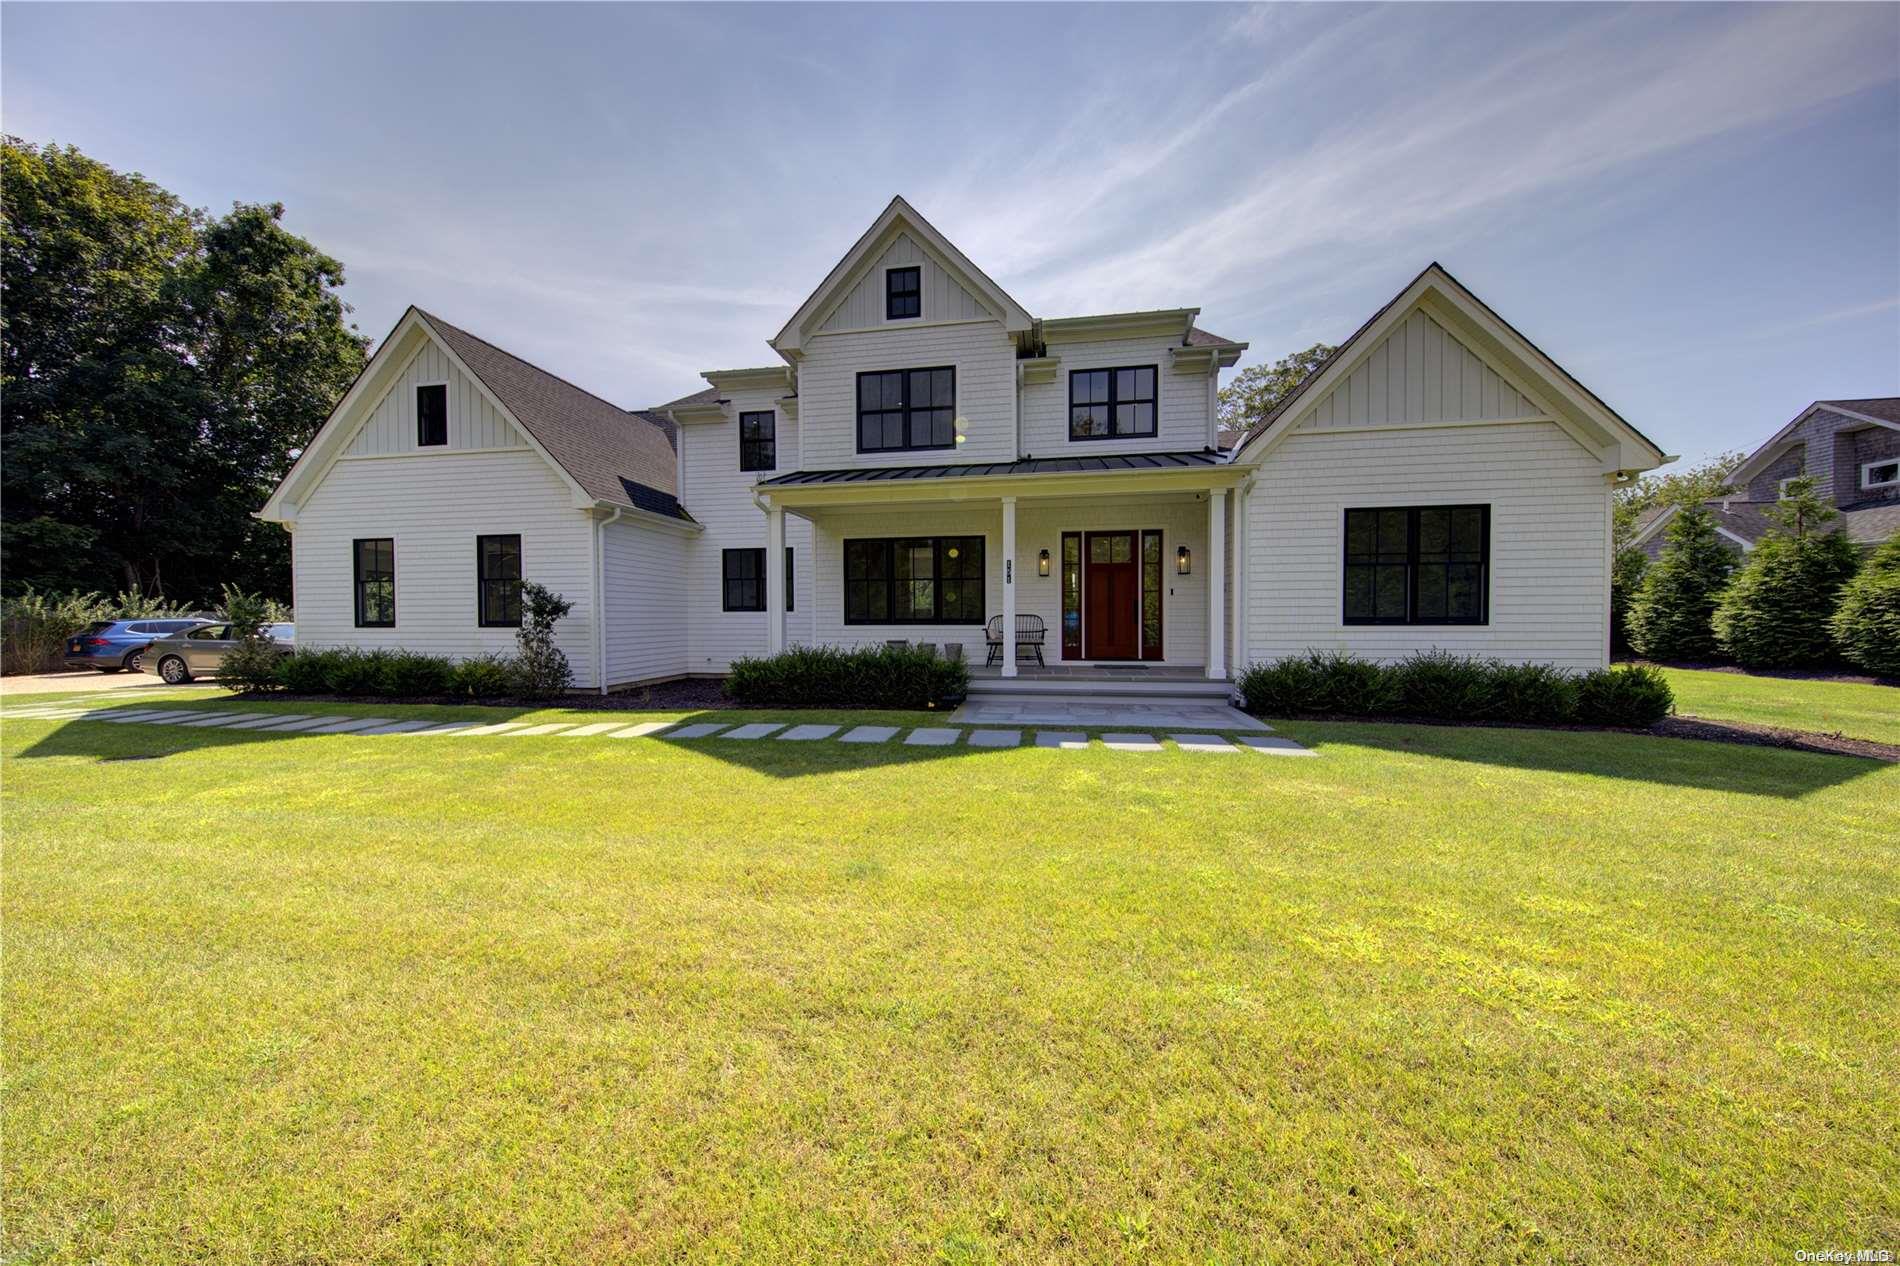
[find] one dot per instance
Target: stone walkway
(713, 732)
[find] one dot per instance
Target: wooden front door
(1111, 596)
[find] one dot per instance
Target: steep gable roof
(1877, 410)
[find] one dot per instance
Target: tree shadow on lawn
(1709, 766)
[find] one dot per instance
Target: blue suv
(111, 645)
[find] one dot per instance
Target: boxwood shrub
(840, 677)
(395, 675)
(1439, 686)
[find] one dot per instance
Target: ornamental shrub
(837, 677)
(1866, 625)
(483, 677)
(410, 674)
(540, 668)
(1282, 687)
(1439, 686)
(1533, 694)
(1631, 696)
(1669, 617)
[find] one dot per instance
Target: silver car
(201, 650)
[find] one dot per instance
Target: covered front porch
(1110, 570)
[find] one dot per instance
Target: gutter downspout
(600, 599)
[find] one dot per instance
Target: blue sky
(1696, 209)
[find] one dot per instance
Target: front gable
(944, 297)
(1420, 373)
(474, 421)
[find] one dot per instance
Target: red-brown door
(1111, 596)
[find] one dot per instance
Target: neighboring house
(927, 456)
(1850, 448)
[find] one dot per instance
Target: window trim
(857, 388)
(356, 581)
(724, 593)
(417, 397)
(482, 581)
(1868, 485)
(1411, 618)
(1112, 371)
(917, 294)
(891, 582)
(770, 440)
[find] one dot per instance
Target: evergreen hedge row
(837, 677)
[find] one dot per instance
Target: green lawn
(1858, 711)
(1441, 994)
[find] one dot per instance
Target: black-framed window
(498, 581)
(914, 580)
(758, 441)
(432, 415)
(374, 564)
(907, 409)
(903, 293)
(1418, 565)
(1107, 404)
(742, 579)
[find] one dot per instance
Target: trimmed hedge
(836, 677)
(1439, 686)
(394, 675)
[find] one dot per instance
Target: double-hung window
(903, 293)
(432, 415)
(914, 580)
(374, 563)
(1418, 565)
(742, 579)
(907, 409)
(1106, 404)
(498, 581)
(758, 441)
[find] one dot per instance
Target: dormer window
(1880, 474)
(432, 415)
(903, 293)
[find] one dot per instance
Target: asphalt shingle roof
(1886, 408)
(603, 448)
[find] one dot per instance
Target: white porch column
(1009, 586)
(1216, 582)
(774, 579)
(1237, 641)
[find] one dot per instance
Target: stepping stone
(42, 715)
(179, 718)
(702, 730)
(122, 718)
(548, 728)
(1067, 740)
(805, 733)
(448, 727)
(482, 731)
(931, 737)
(399, 727)
(641, 730)
(299, 723)
(1275, 746)
(869, 734)
(596, 727)
(1130, 742)
(274, 719)
(226, 720)
(1202, 743)
(348, 725)
(756, 730)
(995, 738)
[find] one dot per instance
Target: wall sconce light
(1042, 563)
(1183, 561)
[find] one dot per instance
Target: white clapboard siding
(434, 505)
(943, 299)
(831, 530)
(644, 574)
(474, 422)
(1181, 411)
(1181, 521)
(1549, 528)
(719, 495)
(1419, 373)
(985, 361)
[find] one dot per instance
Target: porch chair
(1029, 634)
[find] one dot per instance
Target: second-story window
(903, 293)
(1108, 404)
(907, 409)
(758, 441)
(432, 415)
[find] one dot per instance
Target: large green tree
(1253, 393)
(1777, 611)
(159, 367)
(1669, 617)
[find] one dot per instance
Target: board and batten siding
(433, 505)
(1550, 524)
(719, 495)
(985, 361)
(474, 421)
(944, 298)
(1181, 409)
(1419, 373)
(643, 572)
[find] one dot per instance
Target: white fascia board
(767, 378)
(646, 518)
(1072, 329)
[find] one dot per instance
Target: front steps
(1198, 691)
